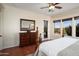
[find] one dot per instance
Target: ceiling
(35, 7)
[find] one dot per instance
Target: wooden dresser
(28, 38)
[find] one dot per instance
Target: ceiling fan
(52, 6)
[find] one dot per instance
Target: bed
(66, 46)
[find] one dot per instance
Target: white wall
(11, 27)
(63, 15)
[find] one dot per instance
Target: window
(67, 27)
(77, 25)
(57, 26)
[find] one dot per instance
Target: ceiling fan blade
(53, 4)
(58, 7)
(56, 3)
(44, 7)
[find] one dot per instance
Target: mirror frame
(27, 20)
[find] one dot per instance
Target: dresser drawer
(28, 38)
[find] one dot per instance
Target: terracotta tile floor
(18, 51)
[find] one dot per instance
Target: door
(45, 29)
(1, 30)
(0, 35)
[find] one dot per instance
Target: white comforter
(52, 48)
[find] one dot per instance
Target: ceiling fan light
(52, 7)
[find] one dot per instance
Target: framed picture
(26, 24)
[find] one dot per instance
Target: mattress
(72, 50)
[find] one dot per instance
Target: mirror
(26, 24)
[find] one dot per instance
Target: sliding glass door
(45, 29)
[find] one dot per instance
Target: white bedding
(52, 48)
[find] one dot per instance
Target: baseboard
(5, 47)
